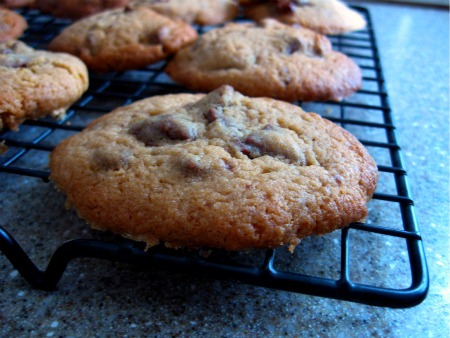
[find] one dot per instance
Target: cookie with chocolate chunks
(123, 39)
(220, 170)
(35, 83)
(267, 59)
(329, 17)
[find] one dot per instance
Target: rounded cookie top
(78, 9)
(267, 59)
(35, 83)
(12, 25)
(123, 39)
(221, 170)
(323, 16)
(202, 12)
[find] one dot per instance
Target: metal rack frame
(122, 88)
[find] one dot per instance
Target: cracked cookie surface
(123, 39)
(220, 170)
(267, 59)
(35, 83)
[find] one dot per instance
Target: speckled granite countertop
(100, 298)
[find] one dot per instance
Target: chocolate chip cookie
(77, 9)
(267, 59)
(123, 39)
(220, 170)
(12, 25)
(202, 12)
(35, 83)
(323, 16)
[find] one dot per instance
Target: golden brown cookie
(323, 16)
(267, 59)
(76, 9)
(222, 170)
(35, 83)
(202, 12)
(123, 39)
(12, 25)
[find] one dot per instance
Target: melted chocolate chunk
(274, 141)
(213, 114)
(294, 45)
(111, 160)
(315, 49)
(192, 165)
(160, 130)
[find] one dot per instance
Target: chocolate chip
(228, 165)
(213, 114)
(178, 129)
(158, 130)
(293, 46)
(315, 49)
(274, 141)
(105, 159)
(192, 165)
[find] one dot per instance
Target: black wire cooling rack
(366, 114)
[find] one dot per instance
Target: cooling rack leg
(48, 279)
(19, 259)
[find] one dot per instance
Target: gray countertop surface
(101, 298)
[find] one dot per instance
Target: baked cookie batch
(235, 166)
